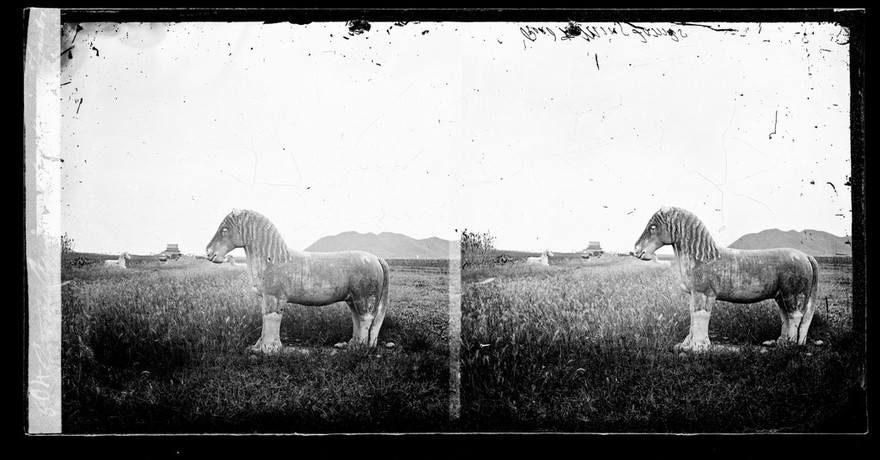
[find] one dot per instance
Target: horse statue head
(229, 235)
(679, 228)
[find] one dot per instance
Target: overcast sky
(426, 128)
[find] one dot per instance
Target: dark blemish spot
(425, 31)
(812, 182)
(572, 30)
(358, 26)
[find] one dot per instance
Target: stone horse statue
(282, 275)
(118, 263)
(709, 272)
(543, 259)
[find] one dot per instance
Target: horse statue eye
(653, 227)
(225, 230)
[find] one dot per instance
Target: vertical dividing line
(42, 113)
(454, 330)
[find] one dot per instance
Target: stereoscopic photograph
(255, 226)
(660, 230)
(308, 222)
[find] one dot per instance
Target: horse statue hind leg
(368, 312)
(797, 304)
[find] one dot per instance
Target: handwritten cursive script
(595, 32)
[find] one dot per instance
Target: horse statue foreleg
(270, 336)
(697, 339)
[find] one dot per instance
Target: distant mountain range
(386, 245)
(812, 242)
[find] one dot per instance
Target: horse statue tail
(812, 299)
(383, 304)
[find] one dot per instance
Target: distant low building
(170, 252)
(594, 249)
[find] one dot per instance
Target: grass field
(162, 348)
(585, 346)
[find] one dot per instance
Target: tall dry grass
(163, 348)
(586, 346)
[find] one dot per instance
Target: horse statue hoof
(340, 345)
(266, 348)
(691, 347)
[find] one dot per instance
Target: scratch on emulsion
(775, 120)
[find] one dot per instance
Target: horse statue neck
(691, 239)
(264, 243)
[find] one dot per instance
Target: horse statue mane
(688, 233)
(267, 241)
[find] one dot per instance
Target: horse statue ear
(236, 212)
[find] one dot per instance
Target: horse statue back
(709, 272)
(543, 259)
(280, 275)
(118, 263)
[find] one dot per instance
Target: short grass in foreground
(586, 346)
(162, 348)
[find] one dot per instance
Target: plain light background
(429, 128)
